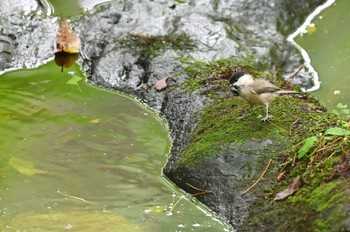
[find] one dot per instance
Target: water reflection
(65, 60)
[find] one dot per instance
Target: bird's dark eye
(237, 87)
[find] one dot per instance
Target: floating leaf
(161, 84)
(24, 167)
(337, 131)
(306, 147)
(67, 41)
(95, 121)
(74, 80)
(311, 28)
(292, 188)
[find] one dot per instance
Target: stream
(81, 158)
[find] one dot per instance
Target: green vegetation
(150, 45)
(211, 77)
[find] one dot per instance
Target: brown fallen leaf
(292, 188)
(161, 84)
(67, 40)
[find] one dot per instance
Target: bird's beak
(234, 90)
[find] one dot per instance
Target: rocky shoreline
(129, 46)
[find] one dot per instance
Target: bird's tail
(282, 91)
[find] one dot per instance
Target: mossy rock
(224, 155)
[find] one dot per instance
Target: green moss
(220, 125)
(325, 205)
(149, 45)
(294, 118)
(212, 77)
(324, 196)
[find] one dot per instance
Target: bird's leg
(267, 114)
(246, 112)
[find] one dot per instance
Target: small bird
(255, 91)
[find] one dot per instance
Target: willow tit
(255, 91)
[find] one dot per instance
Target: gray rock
(28, 37)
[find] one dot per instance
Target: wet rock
(6, 48)
(226, 176)
(27, 36)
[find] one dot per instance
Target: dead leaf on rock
(67, 40)
(292, 188)
(161, 84)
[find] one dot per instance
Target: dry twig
(296, 71)
(202, 191)
(257, 181)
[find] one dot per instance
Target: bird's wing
(262, 86)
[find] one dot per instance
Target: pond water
(70, 8)
(326, 39)
(78, 158)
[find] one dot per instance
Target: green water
(70, 8)
(328, 45)
(79, 158)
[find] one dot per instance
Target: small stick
(294, 159)
(296, 71)
(293, 124)
(194, 187)
(76, 198)
(278, 127)
(201, 193)
(177, 202)
(140, 175)
(257, 181)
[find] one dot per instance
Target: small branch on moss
(330, 156)
(293, 124)
(258, 180)
(202, 191)
(294, 159)
(278, 127)
(296, 71)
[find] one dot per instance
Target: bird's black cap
(236, 76)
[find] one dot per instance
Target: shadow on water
(77, 157)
